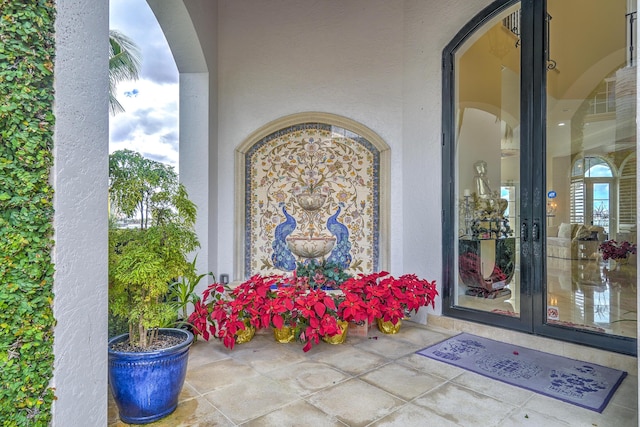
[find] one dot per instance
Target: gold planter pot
(245, 335)
(338, 338)
(284, 335)
(388, 327)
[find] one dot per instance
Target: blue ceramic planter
(146, 385)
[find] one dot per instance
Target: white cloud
(149, 124)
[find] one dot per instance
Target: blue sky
(149, 124)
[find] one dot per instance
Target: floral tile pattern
(311, 191)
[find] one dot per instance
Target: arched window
(593, 192)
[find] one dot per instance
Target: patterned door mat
(583, 384)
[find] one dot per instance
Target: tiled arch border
(299, 119)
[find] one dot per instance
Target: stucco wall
(80, 178)
(374, 61)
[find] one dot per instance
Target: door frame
(533, 269)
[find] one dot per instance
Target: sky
(149, 124)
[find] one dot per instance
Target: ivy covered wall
(26, 211)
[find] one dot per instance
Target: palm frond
(125, 59)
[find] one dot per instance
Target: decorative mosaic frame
(306, 177)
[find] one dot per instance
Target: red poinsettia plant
(311, 312)
(382, 296)
(612, 249)
(261, 302)
(318, 317)
(223, 312)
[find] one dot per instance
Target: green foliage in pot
(144, 261)
(183, 291)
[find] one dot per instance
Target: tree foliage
(26, 211)
(143, 261)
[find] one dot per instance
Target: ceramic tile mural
(311, 191)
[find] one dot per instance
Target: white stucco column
(80, 180)
(190, 29)
(195, 167)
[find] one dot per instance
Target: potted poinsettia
(318, 317)
(260, 302)
(385, 298)
(283, 313)
(235, 317)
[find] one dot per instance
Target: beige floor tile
(527, 417)
(402, 381)
(203, 352)
(307, 377)
(190, 413)
(391, 346)
(431, 366)
(297, 414)
(364, 382)
(222, 373)
(194, 413)
(627, 393)
(411, 415)
(355, 402)
(419, 335)
(613, 415)
(465, 407)
(494, 388)
(251, 398)
(270, 355)
(351, 360)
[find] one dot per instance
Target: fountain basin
(311, 247)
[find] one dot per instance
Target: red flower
(380, 295)
(614, 250)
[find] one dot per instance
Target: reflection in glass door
(591, 137)
(487, 106)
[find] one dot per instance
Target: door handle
(524, 231)
(536, 232)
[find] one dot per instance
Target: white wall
(79, 176)
(373, 61)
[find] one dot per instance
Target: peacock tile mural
(311, 192)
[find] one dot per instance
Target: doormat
(580, 383)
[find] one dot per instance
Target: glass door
(539, 173)
(486, 275)
(591, 136)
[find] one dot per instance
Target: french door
(539, 144)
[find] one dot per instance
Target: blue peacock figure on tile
(340, 254)
(282, 257)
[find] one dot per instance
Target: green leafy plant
(144, 261)
(26, 211)
(182, 292)
(321, 274)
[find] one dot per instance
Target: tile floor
(584, 293)
(374, 381)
